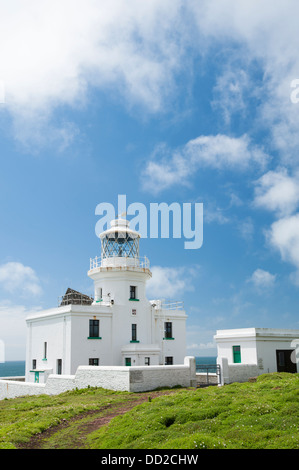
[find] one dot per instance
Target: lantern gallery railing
(167, 304)
(117, 261)
(173, 305)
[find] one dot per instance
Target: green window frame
(94, 329)
(168, 330)
(134, 333)
(237, 354)
(133, 292)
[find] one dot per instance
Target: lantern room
(120, 240)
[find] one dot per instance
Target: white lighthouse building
(118, 327)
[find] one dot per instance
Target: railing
(117, 261)
(168, 304)
(208, 369)
(173, 305)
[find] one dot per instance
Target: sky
(161, 101)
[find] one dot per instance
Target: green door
(128, 361)
(237, 354)
(36, 377)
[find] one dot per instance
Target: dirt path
(103, 415)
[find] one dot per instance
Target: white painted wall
(176, 347)
(246, 338)
(82, 347)
(258, 351)
(66, 329)
(131, 379)
(53, 328)
(116, 281)
(269, 340)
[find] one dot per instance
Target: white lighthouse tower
(120, 277)
(119, 326)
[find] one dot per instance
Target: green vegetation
(260, 415)
(23, 418)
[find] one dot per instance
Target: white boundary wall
(131, 379)
(236, 372)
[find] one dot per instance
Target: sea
(12, 369)
(17, 368)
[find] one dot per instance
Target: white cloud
(13, 329)
(200, 340)
(284, 237)
(201, 346)
(171, 283)
(215, 215)
(277, 192)
(52, 52)
(229, 92)
(19, 279)
(246, 228)
(221, 152)
(262, 279)
(264, 32)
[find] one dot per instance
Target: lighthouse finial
(123, 214)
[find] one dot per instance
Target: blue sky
(173, 101)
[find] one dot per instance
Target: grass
(22, 418)
(260, 415)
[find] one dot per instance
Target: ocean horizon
(12, 369)
(17, 368)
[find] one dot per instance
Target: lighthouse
(118, 326)
(120, 277)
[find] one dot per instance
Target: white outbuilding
(248, 352)
(118, 326)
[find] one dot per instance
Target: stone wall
(131, 379)
(237, 372)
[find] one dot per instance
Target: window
(59, 366)
(127, 361)
(133, 292)
(94, 328)
(134, 311)
(33, 363)
(99, 294)
(147, 361)
(237, 354)
(168, 360)
(134, 332)
(45, 350)
(168, 330)
(94, 361)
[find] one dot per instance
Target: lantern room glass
(121, 244)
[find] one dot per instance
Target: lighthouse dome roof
(119, 228)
